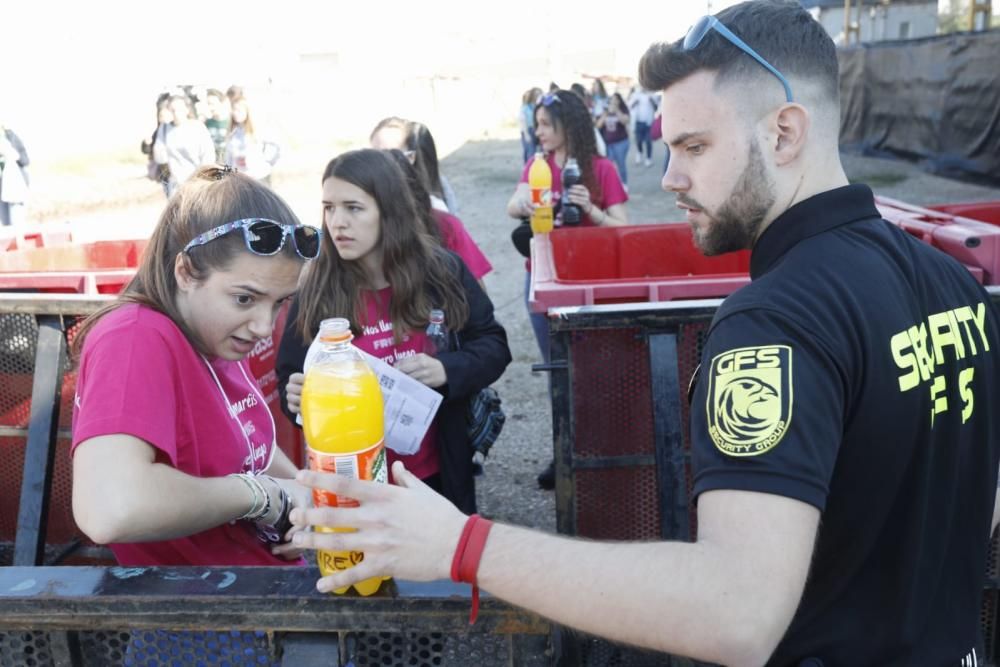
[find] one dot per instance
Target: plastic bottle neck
(335, 344)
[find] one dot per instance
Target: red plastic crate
(649, 263)
(599, 265)
(69, 256)
(983, 211)
(974, 243)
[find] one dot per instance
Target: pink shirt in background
(457, 239)
(376, 339)
(140, 376)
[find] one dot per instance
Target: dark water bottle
(437, 334)
(571, 213)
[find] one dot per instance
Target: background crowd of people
(198, 127)
(626, 115)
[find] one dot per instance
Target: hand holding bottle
(425, 369)
(293, 392)
(579, 195)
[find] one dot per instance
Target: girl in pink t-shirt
(380, 268)
(174, 457)
(564, 129)
(447, 229)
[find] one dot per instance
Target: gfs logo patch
(749, 403)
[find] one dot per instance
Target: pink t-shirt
(456, 238)
(605, 175)
(139, 375)
(376, 339)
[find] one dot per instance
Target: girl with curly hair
(564, 129)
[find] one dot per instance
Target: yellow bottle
(540, 182)
(342, 417)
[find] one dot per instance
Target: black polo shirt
(858, 373)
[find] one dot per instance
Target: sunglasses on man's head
(266, 237)
(698, 31)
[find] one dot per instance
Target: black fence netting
(934, 100)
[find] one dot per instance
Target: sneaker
(649, 163)
(547, 478)
(638, 160)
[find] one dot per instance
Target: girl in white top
(245, 150)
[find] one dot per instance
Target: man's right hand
(293, 392)
(405, 529)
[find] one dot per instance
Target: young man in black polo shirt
(845, 448)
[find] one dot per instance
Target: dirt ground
(483, 173)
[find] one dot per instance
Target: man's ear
(791, 127)
(182, 273)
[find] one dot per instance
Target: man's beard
(737, 223)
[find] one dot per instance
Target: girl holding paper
(381, 269)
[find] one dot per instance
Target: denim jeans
(539, 322)
(642, 138)
(528, 146)
(618, 151)
(11, 214)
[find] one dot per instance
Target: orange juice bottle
(342, 417)
(540, 182)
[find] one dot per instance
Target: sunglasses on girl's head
(698, 31)
(266, 237)
(548, 99)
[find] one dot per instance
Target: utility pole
(851, 27)
(977, 9)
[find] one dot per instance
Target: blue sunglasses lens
(266, 238)
(306, 241)
(697, 32)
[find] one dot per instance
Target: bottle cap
(335, 330)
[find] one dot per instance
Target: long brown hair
(416, 267)
(417, 138)
(247, 125)
(212, 197)
(568, 113)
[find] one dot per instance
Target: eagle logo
(750, 399)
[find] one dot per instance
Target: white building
(877, 20)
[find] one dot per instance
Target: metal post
(40, 445)
(563, 424)
(670, 470)
(980, 8)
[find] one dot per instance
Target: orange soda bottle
(342, 417)
(540, 182)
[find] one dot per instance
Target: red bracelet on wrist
(465, 563)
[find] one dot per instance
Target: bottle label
(541, 196)
(368, 464)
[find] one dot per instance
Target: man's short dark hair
(782, 32)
